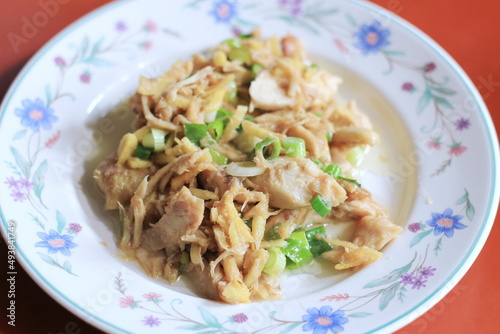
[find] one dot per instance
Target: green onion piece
(321, 205)
(336, 172)
(249, 223)
(333, 170)
(297, 250)
(244, 169)
(216, 128)
(185, 259)
(260, 146)
(256, 68)
(296, 147)
(217, 157)
(233, 43)
(250, 119)
(195, 132)
(245, 36)
(348, 179)
(329, 136)
(242, 54)
(273, 233)
(316, 243)
(232, 93)
(142, 152)
(276, 262)
(223, 113)
(355, 156)
(155, 140)
(319, 163)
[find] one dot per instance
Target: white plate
(437, 169)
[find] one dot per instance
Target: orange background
(468, 30)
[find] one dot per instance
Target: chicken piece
(353, 136)
(357, 209)
(218, 181)
(267, 94)
(118, 182)
(321, 88)
(206, 285)
(293, 183)
(183, 215)
(375, 232)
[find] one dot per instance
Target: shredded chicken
(232, 154)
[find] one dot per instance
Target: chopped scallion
(142, 152)
(185, 259)
(217, 157)
(329, 136)
(273, 233)
(296, 147)
(260, 146)
(155, 140)
(223, 113)
(321, 205)
(256, 68)
(333, 170)
(195, 132)
(348, 179)
(216, 128)
(336, 172)
(244, 169)
(316, 243)
(245, 36)
(297, 250)
(241, 53)
(355, 156)
(276, 262)
(249, 223)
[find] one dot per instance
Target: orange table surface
(468, 30)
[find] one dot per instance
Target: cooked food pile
(238, 162)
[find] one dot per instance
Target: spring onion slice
(321, 205)
(276, 262)
(195, 132)
(216, 128)
(355, 156)
(336, 172)
(142, 152)
(296, 147)
(155, 140)
(223, 113)
(260, 146)
(272, 233)
(217, 157)
(244, 169)
(329, 136)
(297, 250)
(333, 170)
(348, 179)
(317, 245)
(185, 259)
(256, 68)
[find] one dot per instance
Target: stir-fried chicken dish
(238, 162)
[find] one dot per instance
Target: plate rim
(417, 310)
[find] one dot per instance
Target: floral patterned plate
(436, 171)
